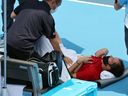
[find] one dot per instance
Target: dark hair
(117, 69)
(58, 2)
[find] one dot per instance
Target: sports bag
(50, 67)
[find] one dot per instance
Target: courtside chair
(20, 72)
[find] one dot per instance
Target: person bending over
(89, 68)
(32, 20)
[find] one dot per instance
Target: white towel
(69, 53)
(43, 46)
(106, 75)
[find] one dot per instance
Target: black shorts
(17, 54)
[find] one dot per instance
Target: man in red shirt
(89, 68)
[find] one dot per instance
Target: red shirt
(90, 71)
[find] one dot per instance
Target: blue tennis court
(89, 26)
(92, 27)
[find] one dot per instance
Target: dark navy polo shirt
(30, 24)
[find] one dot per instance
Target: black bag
(53, 56)
(50, 66)
(50, 74)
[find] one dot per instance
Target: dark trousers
(17, 54)
(10, 8)
(126, 38)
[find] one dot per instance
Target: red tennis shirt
(90, 71)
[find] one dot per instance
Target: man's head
(54, 3)
(113, 65)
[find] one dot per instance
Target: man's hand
(102, 52)
(68, 61)
(84, 59)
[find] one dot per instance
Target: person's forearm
(116, 5)
(75, 67)
(102, 52)
(80, 61)
(55, 44)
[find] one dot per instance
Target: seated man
(22, 46)
(90, 69)
(30, 24)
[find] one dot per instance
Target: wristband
(78, 62)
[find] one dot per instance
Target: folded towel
(69, 53)
(106, 75)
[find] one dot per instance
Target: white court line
(92, 3)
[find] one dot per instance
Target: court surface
(91, 25)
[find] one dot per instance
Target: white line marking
(85, 2)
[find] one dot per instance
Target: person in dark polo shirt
(30, 24)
